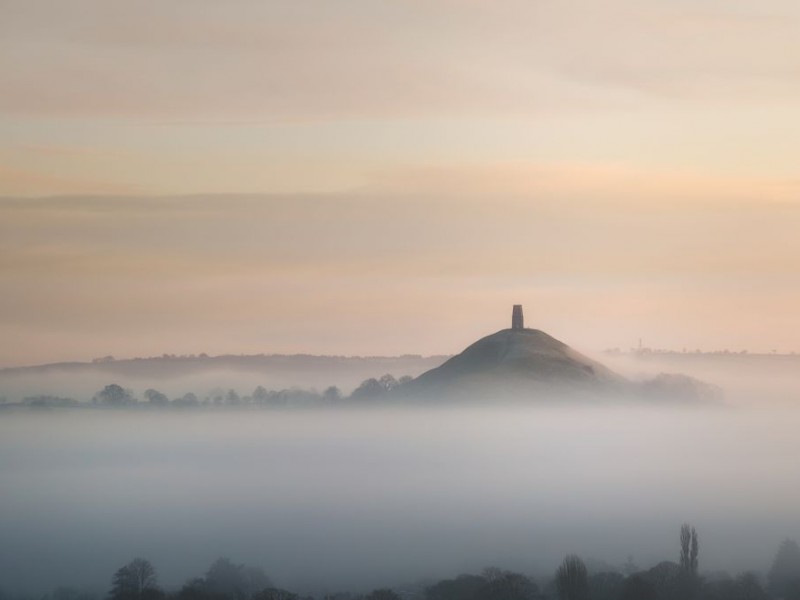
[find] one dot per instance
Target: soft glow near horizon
(389, 275)
(626, 170)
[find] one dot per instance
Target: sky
(362, 177)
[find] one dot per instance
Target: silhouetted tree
(374, 388)
(369, 388)
(785, 568)
(232, 398)
(236, 581)
(688, 560)
(571, 579)
(114, 395)
(224, 577)
(196, 589)
(686, 540)
(260, 395)
(135, 581)
(156, 398)
(686, 584)
(331, 395)
(388, 382)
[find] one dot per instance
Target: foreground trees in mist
(668, 580)
(225, 579)
(492, 584)
(572, 580)
(135, 581)
(114, 395)
(745, 587)
(688, 558)
(784, 576)
(156, 398)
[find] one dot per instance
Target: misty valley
(263, 266)
(517, 469)
(358, 499)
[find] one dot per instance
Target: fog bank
(327, 500)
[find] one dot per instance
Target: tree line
(572, 580)
(116, 396)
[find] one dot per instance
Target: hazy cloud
(283, 60)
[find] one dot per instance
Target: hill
(528, 364)
(517, 361)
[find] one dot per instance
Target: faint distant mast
(517, 322)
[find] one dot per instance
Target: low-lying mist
(203, 375)
(359, 498)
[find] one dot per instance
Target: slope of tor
(515, 360)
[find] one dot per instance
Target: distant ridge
(176, 365)
(176, 375)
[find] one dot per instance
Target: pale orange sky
(624, 169)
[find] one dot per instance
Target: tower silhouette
(517, 321)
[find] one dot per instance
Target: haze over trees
(347, 494)
(572, 580)
(784, 575)
(114, 395)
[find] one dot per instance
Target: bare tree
(693, 562)
(689, 549)
(134, 581)
(572, 581)
(686, 538)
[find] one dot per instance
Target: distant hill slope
(176, 375)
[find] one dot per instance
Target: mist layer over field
(176, 376)
(344, 499)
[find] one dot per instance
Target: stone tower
(517, 322)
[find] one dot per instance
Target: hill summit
(524, 363)
(517, 360)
